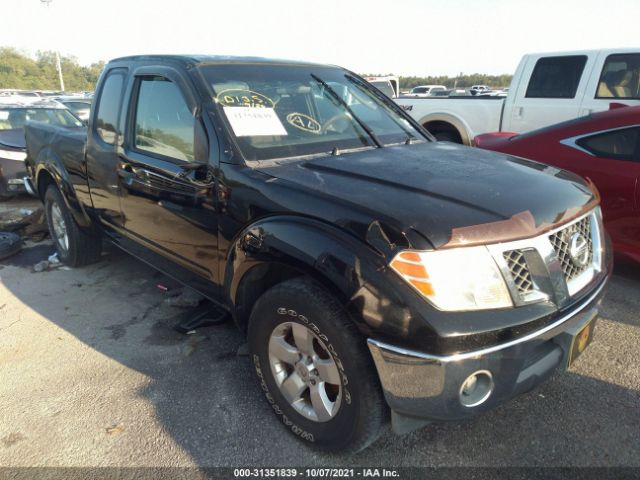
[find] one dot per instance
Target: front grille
(561, 242)
(519, 269)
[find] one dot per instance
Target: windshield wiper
(341, 101)
(386, 101)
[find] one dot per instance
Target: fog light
(476, 389)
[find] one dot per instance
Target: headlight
(10, 155)
(457, 279)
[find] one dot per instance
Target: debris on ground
(183, 297)
(115, 429)
(50, 263)
(28, 223)
(10, 244)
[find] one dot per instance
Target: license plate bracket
(581, 340)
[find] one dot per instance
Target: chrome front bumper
(423, 386)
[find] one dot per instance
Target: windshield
(280, 111)
(77, 107)
(16, 117)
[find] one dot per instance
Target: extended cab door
(167, 178)
(101, 156)
(552, 94)
(616, 78)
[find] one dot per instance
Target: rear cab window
(556, 77)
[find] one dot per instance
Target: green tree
(20, 71)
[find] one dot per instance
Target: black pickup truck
(376, 272)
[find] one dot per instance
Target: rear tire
(300, 335)
(75, 246)
(447, 137)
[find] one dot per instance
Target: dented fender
(346, 266)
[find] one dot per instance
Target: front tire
(75, 246)
(314, 367)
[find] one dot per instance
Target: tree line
(460, 81)
(20, 71)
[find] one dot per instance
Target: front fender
(345, 265)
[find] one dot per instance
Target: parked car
(81, 107)
(546, 88)
(476, 89)
(425, 90)
(13, 117)
(389, 85)
(371, 268)
(492, 93)
(603, 147)
(384, 86)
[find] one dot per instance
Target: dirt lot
(92, 374)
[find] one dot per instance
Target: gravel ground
(92, 375)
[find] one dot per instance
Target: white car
(425, 90)
(476, 89)
(546, 88)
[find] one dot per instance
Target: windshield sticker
(253, 122)
(304, 122)
(244, 98)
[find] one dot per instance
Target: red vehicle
(604, 147)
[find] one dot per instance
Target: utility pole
(58, 64)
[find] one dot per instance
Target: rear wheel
(314, 367)
(447, 137)
(75, 246)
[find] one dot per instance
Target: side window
(623, 144)
(109, 106)
(164, 125)
(556, 77)
(620, 77)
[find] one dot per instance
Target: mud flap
(402, 424)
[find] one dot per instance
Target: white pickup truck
(547, 88)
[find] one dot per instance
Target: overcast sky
(405, 37)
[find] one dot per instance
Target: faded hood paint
(436, 188)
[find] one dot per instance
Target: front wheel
(314, 367)
(75, 246)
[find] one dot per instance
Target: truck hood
(437, 189)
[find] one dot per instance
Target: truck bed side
(56, 155)
(467, 116)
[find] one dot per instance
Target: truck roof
(583, 52)
(212, 59)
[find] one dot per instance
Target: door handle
(128, 172)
